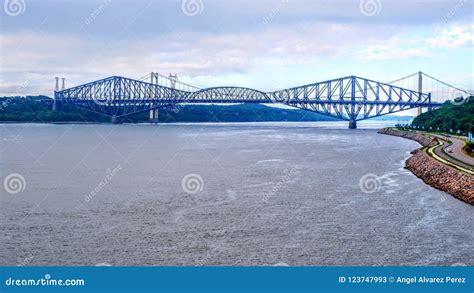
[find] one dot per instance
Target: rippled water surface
(222, 194)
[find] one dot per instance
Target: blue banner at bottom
(238, 279)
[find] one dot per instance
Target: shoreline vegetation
(453, 116)
(433, 172)
(37, 109)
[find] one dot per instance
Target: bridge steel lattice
(350, 98)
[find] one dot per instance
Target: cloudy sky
(260, 44)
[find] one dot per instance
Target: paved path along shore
(455, 151)
(442, 156)
(444, 153)
(458, 153)
(436, 171)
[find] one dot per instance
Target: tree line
(39, 109)
(452, 116)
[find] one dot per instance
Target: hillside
(38, 109)
(455, 116)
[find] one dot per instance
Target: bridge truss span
(350, 98)
(119, 96)
(228, 94)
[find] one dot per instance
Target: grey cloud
(86, 40)
(159, 17)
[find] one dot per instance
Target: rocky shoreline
(419, 138)
(434, 173)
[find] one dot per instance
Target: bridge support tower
(57, 103)
(153, 116)
(420, 89)
(352, 124)
(116, 120)
(352, 115)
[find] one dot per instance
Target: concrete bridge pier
(57, 105)
(153, 116)
(352, 124)
(57, 102)
(116, 120)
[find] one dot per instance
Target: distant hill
(38, 109)
(455, 116)
(238, 113)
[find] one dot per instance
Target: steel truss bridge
(350, 98)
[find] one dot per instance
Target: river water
(221, 194)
